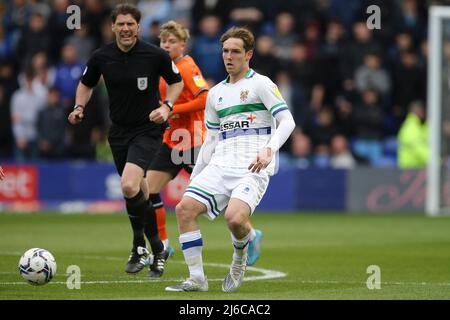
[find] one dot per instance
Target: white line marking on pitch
(266, 273)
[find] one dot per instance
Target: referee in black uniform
(131, 69)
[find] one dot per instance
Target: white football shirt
(243, 112)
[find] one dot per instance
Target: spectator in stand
(321, 156)
(33, 40)
(312, 38)
(368, 123)
(264, 60)
(6, 41)
(328, 59)
(153, 33)
(57, 28)
(41, 6)
(16, 18)
(202, 8)
(44, 76)
(322, 128)
(403, 42)
(409, 81)
(8, 78)
(25, 106)
(300, 69)
(413, 146)
(95, 12)
(248, 13)
(344, 112)
(301, 149)
(412, 19)
(44, 73)
(180, 11)
(68, 73)
(341, 156)
(154, 10)
(345, 11)
(285, 36)
(207, 50)
(83, 43)
(51, 127)
(353, 54)
(372, 75)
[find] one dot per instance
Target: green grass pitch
(304, 256)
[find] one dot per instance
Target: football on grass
(37, 266)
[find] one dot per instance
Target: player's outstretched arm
(196, 104)
(206, 151)
(2, 173)
(82, 97)
(286, 125)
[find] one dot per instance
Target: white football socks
(240, 247)
(192, 244)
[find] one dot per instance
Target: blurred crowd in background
(349, 88)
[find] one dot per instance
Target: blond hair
(172, 27)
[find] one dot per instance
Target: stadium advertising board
(386, 190)
(20, 184)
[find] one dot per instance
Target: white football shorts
(214, 186)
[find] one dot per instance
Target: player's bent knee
(129, 189)
(235, 220)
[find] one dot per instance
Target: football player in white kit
(248, 121)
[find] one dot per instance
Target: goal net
(438, 105)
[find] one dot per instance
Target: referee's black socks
(151, 229)
(136, 207)
(143, 220)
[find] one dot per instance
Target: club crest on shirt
(244, 95)
(142, 83)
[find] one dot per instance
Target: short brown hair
(240, 33)
(172, 27)
(126, 8)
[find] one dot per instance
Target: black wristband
(78, 106)
(169, 104)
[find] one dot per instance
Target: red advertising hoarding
(20, 184)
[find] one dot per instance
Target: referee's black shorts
(172, 161)
(135, 146)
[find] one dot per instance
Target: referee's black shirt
(131, 80)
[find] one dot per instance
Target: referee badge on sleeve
(142, 83)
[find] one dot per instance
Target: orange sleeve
(193, 78)
(197, 104)
(196, 85)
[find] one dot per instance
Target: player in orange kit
(186, 131)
